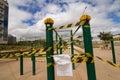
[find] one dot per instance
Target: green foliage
(36, 43)
(105, 36)
(24, 44)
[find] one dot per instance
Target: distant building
(11, 39)
(4, 8)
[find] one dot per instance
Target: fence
(87, 56)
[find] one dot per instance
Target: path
(9, 68)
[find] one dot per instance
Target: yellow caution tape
(83, 59)
(49, 64)
(78, 58)
(109, 62)
(68, 25)
(116, 39)
(92, 59)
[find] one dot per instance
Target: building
(11, 39)
(4, 8)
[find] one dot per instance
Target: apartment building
(4, 8)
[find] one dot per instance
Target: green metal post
(49, 43)
(88, 49)
(21, 64)
(33, 65)
(72, 49)
(113, 51)
(57, 44)
(60, 46)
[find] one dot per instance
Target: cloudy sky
(26, 17)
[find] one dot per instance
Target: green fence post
(21, 64)
(88, 46)
(72, 48)
(33, 62)
(33, 65)
(57, 44)
(60, 45)
(49, 43)
(113, 50)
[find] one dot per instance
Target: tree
(106, 37)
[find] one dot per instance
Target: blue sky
(26, 17)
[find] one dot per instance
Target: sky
(26, 17)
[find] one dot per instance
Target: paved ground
(9, 68)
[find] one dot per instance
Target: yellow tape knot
(49, 21)
(85, 17)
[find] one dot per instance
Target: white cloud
(72, 12)
(115, 6)
(17, 16)
(19, 2)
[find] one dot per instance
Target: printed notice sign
(63, 65)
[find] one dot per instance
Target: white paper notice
(63, 65)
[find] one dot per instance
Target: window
(1, 10)
(1, 4)
(1, 16)
(0, 35)
(0, 23)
